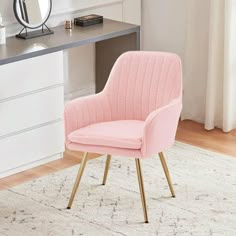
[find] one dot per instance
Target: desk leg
(108, 51)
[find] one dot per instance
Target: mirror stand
(34, 34)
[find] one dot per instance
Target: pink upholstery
(111, 134)
(137, 112)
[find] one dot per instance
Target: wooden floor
(188, 132)
(215, 140)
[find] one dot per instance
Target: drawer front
(30, 75)
(32, 110)
(31, 146)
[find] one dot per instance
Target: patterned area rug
(205, 185)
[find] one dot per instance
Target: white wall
(168, 25)
(61, 10)
(164, 25)
(79, 62)
(132, 11)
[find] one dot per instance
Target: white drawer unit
(31, 75)
(31, 146)
(31, 112)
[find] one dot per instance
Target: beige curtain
(210, 64)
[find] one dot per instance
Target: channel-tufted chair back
(141, 82)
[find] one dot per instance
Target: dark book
(88, 20)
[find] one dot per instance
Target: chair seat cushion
(119, 134)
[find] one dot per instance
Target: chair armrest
(85, 111)
(160, 128)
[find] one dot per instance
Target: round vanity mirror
(32, 13)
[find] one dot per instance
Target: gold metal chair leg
(141, 188)
(78, 178)
(167, 174)
(108, 161)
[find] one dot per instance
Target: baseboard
(31, 165)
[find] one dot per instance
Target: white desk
(32, 91)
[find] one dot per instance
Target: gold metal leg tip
(108, 161)
(78, 178)
(167, 174)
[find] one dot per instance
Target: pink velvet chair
(136, 115)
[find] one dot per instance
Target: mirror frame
(26, 25)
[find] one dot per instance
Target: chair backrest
(141, 82)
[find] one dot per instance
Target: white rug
(205, 185)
